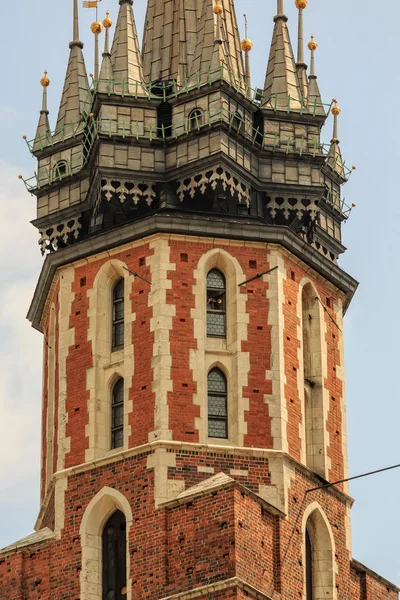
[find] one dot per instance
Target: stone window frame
(325, 567)
(96, 515)
(226, 354)
(108, 364)
(315, 411)
(195, 119)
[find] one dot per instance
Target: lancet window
(114, 558)
(217, 404)
(117, 415)
(216, 304)
(118, 315)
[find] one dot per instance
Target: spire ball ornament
(312, 44)
(45, 81)
(301, 4)
(246, 45)
(107, 21)
(96, 27)
(335, 109)
(218, 8)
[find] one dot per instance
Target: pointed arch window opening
(216, 304)
(195, 119)
(309, 567)
(117, 415)
(217, 405)
(114, 579)
(118, 309)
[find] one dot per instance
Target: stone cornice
(246, 229)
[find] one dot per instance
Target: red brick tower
(191, 304)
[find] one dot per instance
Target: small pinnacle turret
(106, 74)
(301, 65)
(126, 59)
(281, 83)
(43, 132)
(218, 48)
(76, 87)
(334, 159)
(314, 95)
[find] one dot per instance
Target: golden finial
(20, 177)
(354, 168)
(24, 137)
(246, 44)
(91, 75)
(301, 4)
(96, 27)
(107, 21)
(312, 44)
(218, 8)
(45, 81)
(335, 109)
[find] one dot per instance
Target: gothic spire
(314, 95)
(169, 40)
(76, 87)
(334, 159)
(218, 48)
(43, 134)
(106, 73)
(281, 83)
(125, 54)
(301, 65)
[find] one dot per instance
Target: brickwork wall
(220, 535)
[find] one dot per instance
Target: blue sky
(357, 63)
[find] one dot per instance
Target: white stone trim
(161, 325)
(277, 406)
(51, 373)
(97, 513)
(66, 340)
(226, 354)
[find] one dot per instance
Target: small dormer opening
(258, 127)
(195, 120)
(237, 121)
(164, 120)
(61, 169)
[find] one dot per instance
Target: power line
(327, 485)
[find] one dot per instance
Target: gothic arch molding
(316, 524)
(97, 513)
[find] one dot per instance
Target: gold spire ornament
(301, 4)
(96, 27)
(246, 44)
(312, 44)
(107, 23)
(218, 8)
(335, 109)
(45, 81)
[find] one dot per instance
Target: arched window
(118, 315)
(309, 568)
(258, 127)
(195, 119)
(61, 169)
(117, 415)
(216, 304)
(319, 557)
(237, 121)
(114, 558)
(217, 405)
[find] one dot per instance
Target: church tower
(191, 305)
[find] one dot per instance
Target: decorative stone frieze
(135, 191)
(209, 179)
(60, 234)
